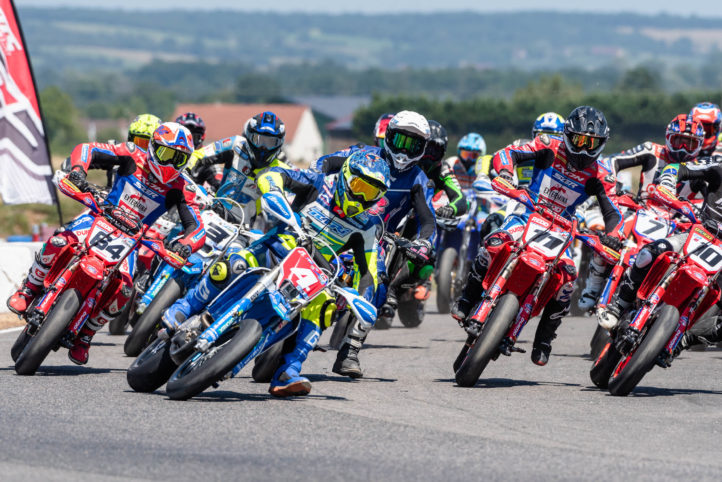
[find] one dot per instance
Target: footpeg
(473, 328)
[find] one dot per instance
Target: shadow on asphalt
(229, 396)
(667, 392)
(403, 347)
(342, 379)
(69, 370)
(509, 383)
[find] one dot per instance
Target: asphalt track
(407, 420)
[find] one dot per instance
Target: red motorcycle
(678, 289)
(522, 278)
(83, 280)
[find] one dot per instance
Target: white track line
(11, 330)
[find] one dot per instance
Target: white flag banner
(25, 171)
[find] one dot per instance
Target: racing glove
(445, 212)
(182, 250)
(612, 242)
(420, 251)
(78, 178)
(508, 176)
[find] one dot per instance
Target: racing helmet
(585, 134)
(194, 123)
(710, 116)
(169, 149)
(363, 180)
(141, 128)
(380, 129)
(406, 138)
(549, 123)
(684, 138)
(265, 134)
(470, 148)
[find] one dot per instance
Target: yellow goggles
(362, 188)
(169, 156)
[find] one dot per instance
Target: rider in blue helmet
(549, 123)
(470, 148)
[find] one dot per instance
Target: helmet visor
(403, 143)
(167, 156)
(584, 142)
(711, 129)
(140, 141)
(264, 141)
(682, 142)
(362, 189)
(469, 156)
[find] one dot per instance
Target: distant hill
(77, 39)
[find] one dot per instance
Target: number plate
(218, 231)
(300, 269)
(108, 243)
(708, 255)
(548, 243)
(650, 227)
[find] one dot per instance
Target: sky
(712, 8)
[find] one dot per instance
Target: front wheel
(152, 368)
(411, 312)
(20, 343)
(49, 333)
(604, 364)
(148, 323)
(445, 280)
(632, 368)
(204, 369)
(487, 344)
(598, 342)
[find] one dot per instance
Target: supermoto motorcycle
(82, 281)
(522, 278)
(678, 289)
(169, 283)
(257, 311)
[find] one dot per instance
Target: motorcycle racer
(148, 183)
(442, 173)
(244, 158)
(685, 138)
(336, 207)
(653, 158)
(565, 174)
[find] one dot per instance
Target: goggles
(140, 141)
(361, 188)
(585, 142)
(680, 142)
(167, 156)
(268, 142)
(401, 143)
(469, 155)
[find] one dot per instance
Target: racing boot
(287, 381)
(546, 331)
(469, 296)
(19, 301)
(609, 317)
(191, 304)
(388, 309)
(347, 363)
(594, 285)
(78, 354)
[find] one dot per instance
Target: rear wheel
(204, 369)
(146, 328)
(339, 330)
(631, 369)
(445, 280)
(411, 312)
(152, 368)
(487, 344)
(49, 333)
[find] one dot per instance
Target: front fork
(684, 319)
(476, 321)
(522, 318)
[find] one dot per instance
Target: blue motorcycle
(169, 284)
(458, 243)
(258, 311)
